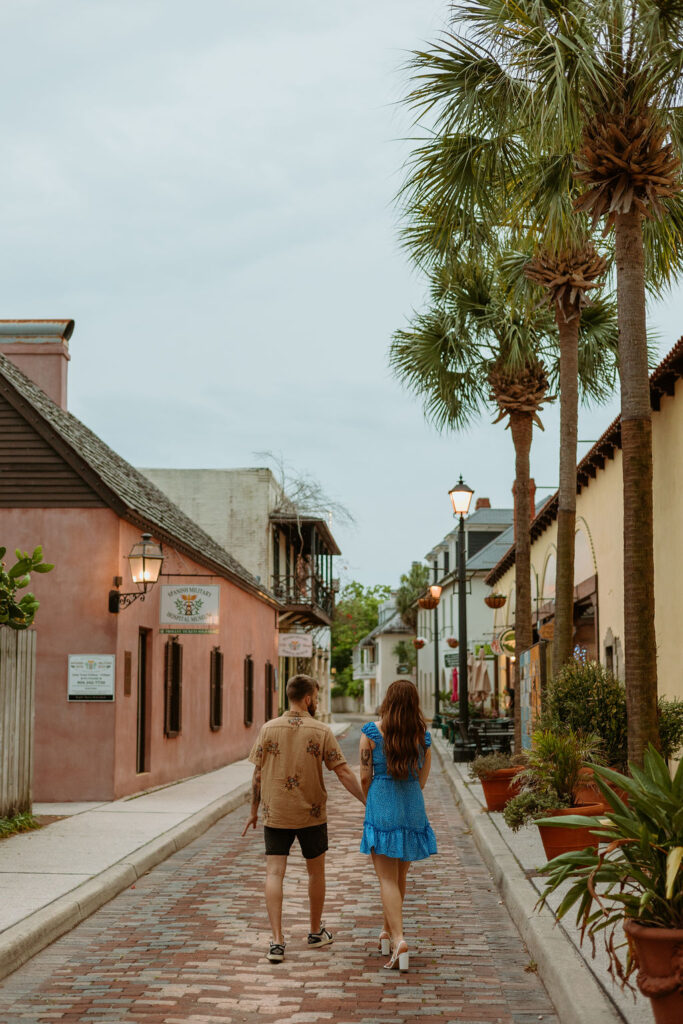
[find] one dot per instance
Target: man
(288, 781)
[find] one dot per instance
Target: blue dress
(396, 822)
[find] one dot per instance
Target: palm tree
(472, 350)
(600, 82)
(488, 170)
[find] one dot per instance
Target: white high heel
(384, 943)
(400, 958)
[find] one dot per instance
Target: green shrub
(670, 726)
(527, 806)
(636, 874)
(552, 774)
(586, 698)
(355, 688)
(16, 612)
(483, 765)
(18, 823)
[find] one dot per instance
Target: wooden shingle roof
(120, 486)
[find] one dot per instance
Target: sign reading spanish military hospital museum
(189, 609)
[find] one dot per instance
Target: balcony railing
(304, 591)
(364, 668)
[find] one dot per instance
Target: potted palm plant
(635, 882)
(497, 774)
(549, 783)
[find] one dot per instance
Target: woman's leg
(385, 925)
(403, 866)
(392, 902)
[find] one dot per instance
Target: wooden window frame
(248, 691)
(216, 689)
(269, 690)
(173, 687)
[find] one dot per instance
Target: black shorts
(312, 840)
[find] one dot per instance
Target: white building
(488, 534)
(376, 659)
(248, 513)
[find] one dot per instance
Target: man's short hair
(301, 685)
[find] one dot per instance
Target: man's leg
(316, 890)
(275, 873)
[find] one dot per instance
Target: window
(478, 539)
(248, 690)
(446, 562)
(173, 687)
(270, 686)
(216, 689)
(609, 658)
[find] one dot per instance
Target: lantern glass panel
(461, 496)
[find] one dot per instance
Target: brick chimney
(482, 503)
(532, 499)
(40, 348)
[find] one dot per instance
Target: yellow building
(598, 574)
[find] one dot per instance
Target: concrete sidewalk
(55, 877)
(579, 985)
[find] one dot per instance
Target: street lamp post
(437, 714)
(461, 496)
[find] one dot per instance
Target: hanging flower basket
(419, 642)
(452, 642)
(495, 600)
(428, 601)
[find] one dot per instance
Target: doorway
(142, 754)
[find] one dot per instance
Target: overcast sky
(206, 188)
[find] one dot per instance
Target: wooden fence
(17, 678)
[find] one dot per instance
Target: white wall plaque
(295, 645)
(189, 609)
(91, 677)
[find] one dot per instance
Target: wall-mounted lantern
(145, 561)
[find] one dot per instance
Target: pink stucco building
(181, 702)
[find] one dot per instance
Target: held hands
(251, 820)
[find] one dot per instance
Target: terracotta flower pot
(587, 791)
(659, 956)
(557, 840)
(499, 787)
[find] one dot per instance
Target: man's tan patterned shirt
(290, 752)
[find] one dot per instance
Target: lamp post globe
(461, 496)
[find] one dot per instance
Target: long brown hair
(403, 729)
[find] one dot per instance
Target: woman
(395, 758)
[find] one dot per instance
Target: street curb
(576, 994)
(23, 940)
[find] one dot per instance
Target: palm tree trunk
(636, 442)
(521, 425)
(566, 513)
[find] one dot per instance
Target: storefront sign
(504, 643)
(189, 609)
(295, 645)
(451, 660)
(91, 677)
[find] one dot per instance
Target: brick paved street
(186, 943)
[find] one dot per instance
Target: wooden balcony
(305, 600)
